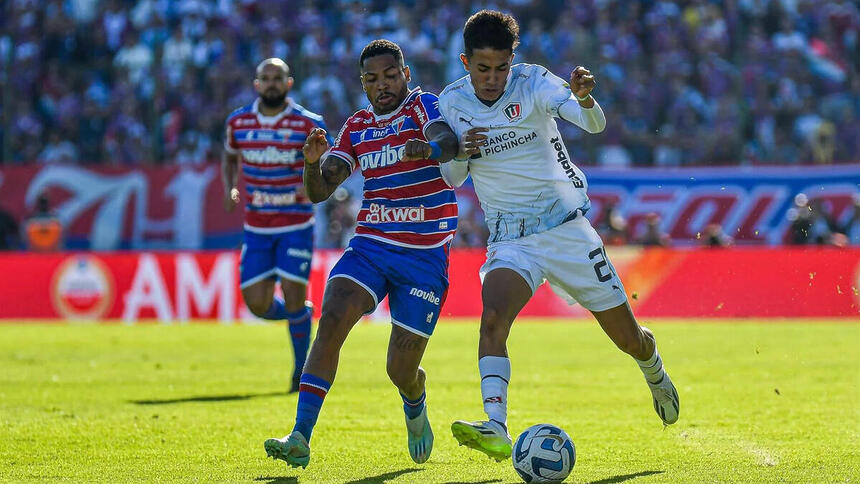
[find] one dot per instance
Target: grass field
(761, 402)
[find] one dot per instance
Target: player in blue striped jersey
(264, 143)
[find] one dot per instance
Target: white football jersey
(524, 177)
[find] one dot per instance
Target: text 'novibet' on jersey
(406, 203)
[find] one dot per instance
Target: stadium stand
(683, 83)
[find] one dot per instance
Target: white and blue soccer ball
(543, 453)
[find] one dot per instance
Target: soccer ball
(543, 453)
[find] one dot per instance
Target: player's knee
(327, 322)
(294, 298)
(494, 323)
(649, 335)
(330, 325)
(399, 376)
(633, 343)
(333, 315)
(257, 305)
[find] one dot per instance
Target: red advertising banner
(180, 207)
(110, 208)
(182, 286)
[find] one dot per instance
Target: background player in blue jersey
(267, 136)
(401, 245)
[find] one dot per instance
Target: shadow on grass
(207, 398)
(278, 480)
(489, 481)
(384, 477)
(625, 477)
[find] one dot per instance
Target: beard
(272, 99)
(392, 102)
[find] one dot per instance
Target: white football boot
(293, 449)
(666, 401)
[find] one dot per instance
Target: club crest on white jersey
(524, 175)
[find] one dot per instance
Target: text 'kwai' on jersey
(406, 203)
(272, 163)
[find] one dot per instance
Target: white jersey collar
(263, 119)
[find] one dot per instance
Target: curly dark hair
(381, 47)
(491, 28)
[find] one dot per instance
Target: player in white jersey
(534, 199)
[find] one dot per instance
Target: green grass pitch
(760, 402)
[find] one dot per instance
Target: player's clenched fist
(416, 149)
(472, 141)
(315, 146)
(581, 81)
(231, 199)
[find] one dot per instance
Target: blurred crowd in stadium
(682, 82)
(689, 82)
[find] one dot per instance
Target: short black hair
(381, 47)
(493, 29)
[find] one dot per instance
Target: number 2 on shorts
(598, 267)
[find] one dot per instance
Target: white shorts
(570, 257)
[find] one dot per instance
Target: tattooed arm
(321, 178)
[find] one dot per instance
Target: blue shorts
(269, 256)
(415, 280)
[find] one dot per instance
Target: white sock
(652, 368)
(495, 374)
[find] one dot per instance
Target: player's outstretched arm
(230, 179)
(441, 145)
(321, 179)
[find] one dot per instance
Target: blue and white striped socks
(413, 408)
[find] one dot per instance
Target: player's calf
(299, 331)
(494, 332)
(259, 298)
